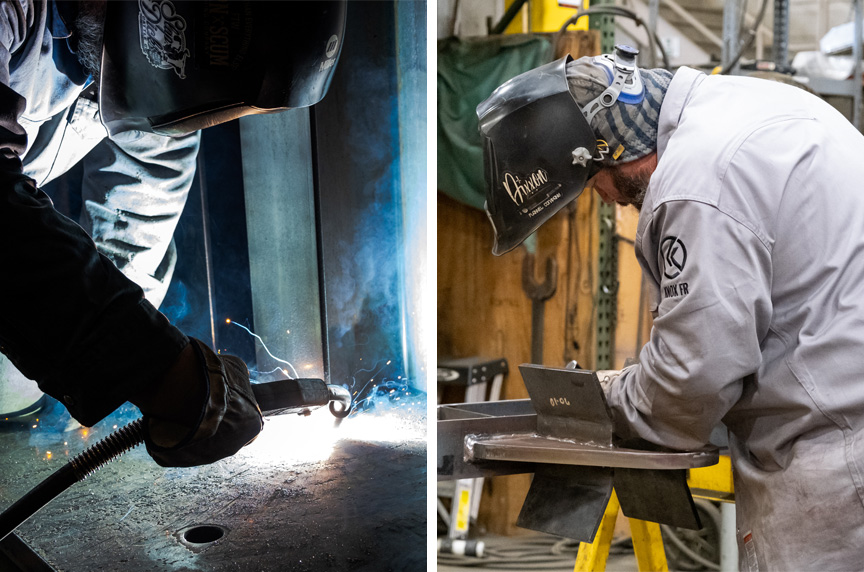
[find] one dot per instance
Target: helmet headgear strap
(625, 68)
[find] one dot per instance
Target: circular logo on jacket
(674, 256)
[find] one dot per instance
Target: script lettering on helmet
(218, 44)
(520, 188)
(163, 35)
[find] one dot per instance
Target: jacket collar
(683, 83)
(60, 13)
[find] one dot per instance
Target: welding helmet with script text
(173, 67)
(537, 152)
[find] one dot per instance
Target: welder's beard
(89, 28)
(632, 187)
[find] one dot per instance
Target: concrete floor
(303, 497)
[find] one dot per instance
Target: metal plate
(569, 402)
(539, 449)
(659, 496)
(17, 556)
(567, 501)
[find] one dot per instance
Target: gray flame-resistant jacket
(752, 232)
(68, 317)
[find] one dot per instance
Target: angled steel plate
(659, 496)
(569, 402)
(567, 501)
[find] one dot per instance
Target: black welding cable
(77, 469)
(525, 553)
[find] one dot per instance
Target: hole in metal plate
(199, 537)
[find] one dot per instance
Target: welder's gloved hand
(228, 417)
(606, 377)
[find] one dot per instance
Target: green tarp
(469, 70)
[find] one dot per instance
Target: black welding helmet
(537, 150)
(173, 67)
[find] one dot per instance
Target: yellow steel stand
(647, 543)
(593, 556)
(713, 483)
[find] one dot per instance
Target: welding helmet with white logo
(173, 67)
(531, 128)
(539, 148)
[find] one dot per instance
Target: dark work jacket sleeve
(69, 319)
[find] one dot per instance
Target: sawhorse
(713, 483)
(482, 380)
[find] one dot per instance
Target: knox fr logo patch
(674, 256)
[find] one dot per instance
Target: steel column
(731, 43)
(781, 34)
(607, 245)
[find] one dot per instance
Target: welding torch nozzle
(340, 401)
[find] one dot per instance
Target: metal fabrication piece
(539, 449)
(563, 434)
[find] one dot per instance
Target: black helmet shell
(173, 67)
(530, 127)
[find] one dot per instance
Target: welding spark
(274, 370)
(354, 379)
(266, 349)
(372, 369)
(381, 386)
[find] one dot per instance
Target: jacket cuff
(123, 355)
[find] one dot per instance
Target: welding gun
(301, 396)
(280, 397)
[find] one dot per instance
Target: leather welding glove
(229, 418)
(606, 377)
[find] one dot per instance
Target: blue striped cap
(629, 129)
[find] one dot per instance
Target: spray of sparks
(266, 349)
(378, 414)
(358, 403)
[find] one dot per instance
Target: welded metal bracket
(563, 435)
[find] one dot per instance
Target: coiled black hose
(77, 469)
